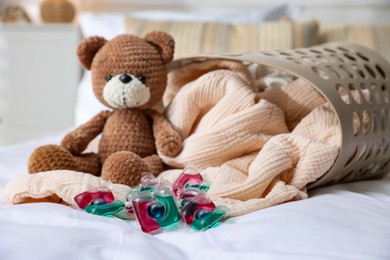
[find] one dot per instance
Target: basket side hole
(366, 121)
(366, 92)
(333, 73)
(359, 71)
(385, 93)
(285, 53)
(323, 59)
(348, 73)
(350, 159)
(335, 58)
(294, 60)
(269, 54)
(362, 56)
(316, 51)
(330, 50)
(375, 121)
(321, 72)
(356, 124)
(301, 52)
(373, 167)
(343, 49)
(344, 94)
(310, 59)
(388, 120)
(381, 71)
(349, 56)
(355, 93)
(384, 119)
(376, 93)
(384, 166)
(370, 70)
(361, 153)
(369, 153)
(360, 174)
(382, 146)
(386, 148)
(348, 177)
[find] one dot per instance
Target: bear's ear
(88, 48)
(164, 44)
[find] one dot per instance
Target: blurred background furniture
(39, 74)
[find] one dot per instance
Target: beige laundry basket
(356, 81)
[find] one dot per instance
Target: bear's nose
(125, 78)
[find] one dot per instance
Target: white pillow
(87, 104)
(108, 26)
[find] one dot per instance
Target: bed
(341, 221)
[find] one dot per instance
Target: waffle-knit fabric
(240, 140)
(257, 149)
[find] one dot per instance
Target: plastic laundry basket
(356, 82)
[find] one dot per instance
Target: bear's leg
(55, 157)
(155, 164)
(127, 167)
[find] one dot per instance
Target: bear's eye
(142, 79)
(109, 77)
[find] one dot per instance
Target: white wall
(367, 12)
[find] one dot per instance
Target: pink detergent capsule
(199, 206)
(146, 209)
(186, 195)
(189, 175)
(84, 199)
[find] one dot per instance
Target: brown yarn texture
(88, 48)
(130, 137)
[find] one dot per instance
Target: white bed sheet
(347, 221)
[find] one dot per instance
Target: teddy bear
(129, 76)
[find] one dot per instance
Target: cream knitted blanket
(257, 135)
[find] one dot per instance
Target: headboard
(346, 11)
(372, 12)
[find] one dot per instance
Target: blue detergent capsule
(210, 220)
(156, 210)
(202, 213)
(99, 201)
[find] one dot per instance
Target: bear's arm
(168, 140)
(77, 140)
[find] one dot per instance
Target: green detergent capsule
(171, 214)
(126, 213)
(106, 209)
(210, 220)
(204, 186)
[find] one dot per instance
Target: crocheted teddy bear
(129, 75)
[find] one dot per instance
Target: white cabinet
(39, 74)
